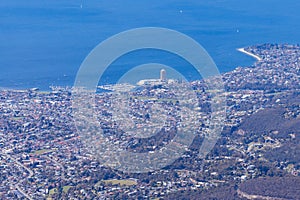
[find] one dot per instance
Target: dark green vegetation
(274, 187)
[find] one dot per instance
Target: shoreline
(249, 54)
(242, 50)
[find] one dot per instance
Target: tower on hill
(162, 74)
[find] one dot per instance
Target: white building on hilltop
(162, 79)
(163, 75)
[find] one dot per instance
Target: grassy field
(66, 188)
(126, 182)
(17, 118)
(43, 151)
(53, 191)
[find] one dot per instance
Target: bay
(43, 43)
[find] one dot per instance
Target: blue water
(43, 42)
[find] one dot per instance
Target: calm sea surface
(43, 42)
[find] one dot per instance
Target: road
(30, 175)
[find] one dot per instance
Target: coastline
(242, 50)
(249, 54)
